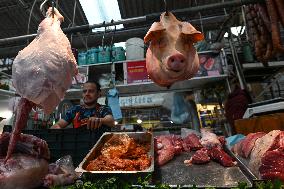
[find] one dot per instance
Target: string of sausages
(263, 22)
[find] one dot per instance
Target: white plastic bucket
(134, 49)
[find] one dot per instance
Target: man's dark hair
(96, 83)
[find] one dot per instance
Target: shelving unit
(150, 87)
(4, 94)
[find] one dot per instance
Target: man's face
(90, 93)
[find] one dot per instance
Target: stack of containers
(92, 56)
(118, 54)
(104, 54)
(82, 58)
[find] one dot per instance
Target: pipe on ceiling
(149, 17)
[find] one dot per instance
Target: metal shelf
(260, 65)
(151, 88)
(4, 94)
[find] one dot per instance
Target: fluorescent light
(98, 11)
(171, 121)
(237, 30)
(139, 121)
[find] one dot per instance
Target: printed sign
(137, 72)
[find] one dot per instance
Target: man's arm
(108, 121)
(60, 124)
(95, 122)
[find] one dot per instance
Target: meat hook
(166, 7)
(42, 7)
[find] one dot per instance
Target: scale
(265, 107)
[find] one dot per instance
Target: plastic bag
(60, 173)
(180, 113)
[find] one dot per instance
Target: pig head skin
(171, 55)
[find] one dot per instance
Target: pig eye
(162, 42)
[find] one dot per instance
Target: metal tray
(95, 152)
(211, 174)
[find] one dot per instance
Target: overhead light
(139, 120)
(100, 11)
(237, 30)
(115, 122)
(171, 121)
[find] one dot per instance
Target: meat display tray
(127, 175)
(211, 174)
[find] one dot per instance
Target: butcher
(91, 114)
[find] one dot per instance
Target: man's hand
(94, 123)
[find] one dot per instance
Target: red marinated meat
(217, 154)
(272, 165)
(191, 142)
(249, 141)
(199, 157)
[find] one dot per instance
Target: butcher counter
(77, 143)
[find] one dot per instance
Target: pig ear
(154, 32)
(191, 32)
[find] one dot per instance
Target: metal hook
(166, 8)
(103, 39)
(42, 7)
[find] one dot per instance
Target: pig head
(171, 55)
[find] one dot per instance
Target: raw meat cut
(27, 144)
(191, 142)
(177, 143)
(249, 141)
(171, 55)
(238, 148)
(272, 165)
(217, 154)
(42, 72)
(22, 172)
(209, 139)
(262, 145)
(199, 157)
(28, 164)
(164, 148)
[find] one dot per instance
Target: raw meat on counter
(244, 147)
(28, 164)
(171, 55)
(209, 139)
(121, 153)
(28, 167)
(191, 142)
(165, 146)
(199, 157)
(42, 72)
(266, 157)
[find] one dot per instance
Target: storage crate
(61, 142)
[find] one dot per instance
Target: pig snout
(176, 62)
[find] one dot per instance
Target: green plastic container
(104, 55)
(92, 56)
(247, 53)
(118, 54)
(82, 58)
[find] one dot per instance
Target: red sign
(137, 72)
